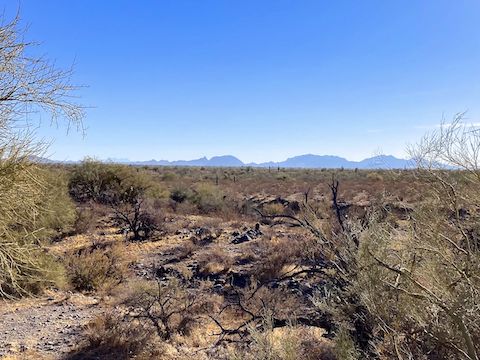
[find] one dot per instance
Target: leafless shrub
(333, 259)
(133, 212)
(246, 309)
(167, 307)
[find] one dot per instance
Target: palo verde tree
(29, 86)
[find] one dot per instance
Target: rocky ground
(197, 247)
(48, 327)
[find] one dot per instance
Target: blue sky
(258, 79)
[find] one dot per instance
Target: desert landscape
(278, 256)
(239, 263)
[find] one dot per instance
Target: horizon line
(126, 160)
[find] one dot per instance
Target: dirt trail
(49, 326)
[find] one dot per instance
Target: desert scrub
(273, 209)
(375, 176)
(166, 307)
(29, 85)
(137, 215)
(104, 183)
(99, 267)
(26, 269)
(428, 270)
(179, 195)
(85, 221)
(93, 181)
(345, 346)
(208, 198)
(110, 337)
(287, 343)
(56, 210)
(132, 194)
(35, 208)
(216, 260)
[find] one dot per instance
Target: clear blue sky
(261, 80)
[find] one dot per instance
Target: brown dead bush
(276, 257)
(215, 260)
(287, 343)
(111, 337)
(98, 267)
(165, 306)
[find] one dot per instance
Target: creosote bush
(179, 195)
(208, 198)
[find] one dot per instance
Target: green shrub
(26, 269)
(179, 195)
(109, 183)
(85, 221)
(168, 308)
(28, 204)
(130, 192)
(41, 210)
(92, 180)
(208, 198)
(56, 211)
(345, 346)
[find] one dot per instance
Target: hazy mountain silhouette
(303, 161)
(309, 161)
(336, 162)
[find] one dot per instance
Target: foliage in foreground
(423, 280)
(27, 85)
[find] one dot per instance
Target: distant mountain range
(303, 161)
(307, 161)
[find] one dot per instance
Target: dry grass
(217, 260)
(109, 337)
(276, 257)
(286, 343)
(98, 267)
(28, 355)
